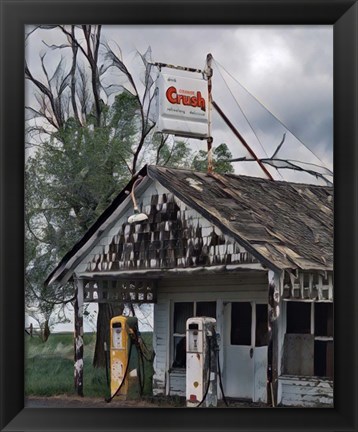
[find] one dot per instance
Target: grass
(49, 367)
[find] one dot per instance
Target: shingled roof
(289, 225)
(284, 225)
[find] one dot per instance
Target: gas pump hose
(220, 380)
(138, 342)
(219, 369)
(220, 377)
(219, 373)
(208, 385)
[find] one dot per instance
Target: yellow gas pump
(119, 355)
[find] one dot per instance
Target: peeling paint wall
(307, 392)
(160, 345)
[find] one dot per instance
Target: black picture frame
(15, 14)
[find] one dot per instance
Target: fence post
(78, 337)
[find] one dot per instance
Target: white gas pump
(201, 377)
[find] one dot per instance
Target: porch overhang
(140, 286)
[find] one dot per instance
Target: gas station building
(254, 254)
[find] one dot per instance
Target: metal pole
(242, 139)
(170, 66)
(209, 74)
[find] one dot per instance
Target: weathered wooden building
(255, 254)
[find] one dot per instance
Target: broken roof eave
(159, 273)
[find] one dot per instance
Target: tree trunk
(106, 311)
(46, 332)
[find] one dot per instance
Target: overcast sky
(289, 69)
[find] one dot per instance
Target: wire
(216, 62)
(208, 379)
(220, 380)
(124, 376)
(242, 111)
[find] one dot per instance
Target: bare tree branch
(73, 77)
(163, 140)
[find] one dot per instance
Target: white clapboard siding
(245, 286)
(306, 392)
(160, 342)
(177, 383)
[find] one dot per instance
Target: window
(323, 319)
(183, 311)
(207, 309)
(298, 318)
(308, 345)
(323, 358)
(323, 344)
(261, 325)
(241, 323)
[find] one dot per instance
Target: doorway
(245, 350)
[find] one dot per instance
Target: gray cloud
(288, 68)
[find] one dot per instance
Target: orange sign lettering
(194, 101)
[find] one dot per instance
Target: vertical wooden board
(160, 344)
(260, 374)
(299, 354)
(177, 384)
(274, 281)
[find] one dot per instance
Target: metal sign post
(209, 74)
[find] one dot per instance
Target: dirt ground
(64, 401)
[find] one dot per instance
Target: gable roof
(284, 225)
(287, 225)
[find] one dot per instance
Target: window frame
(326, 339)
(173, 335)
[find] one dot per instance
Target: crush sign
(182, 106)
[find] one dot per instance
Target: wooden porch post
(78, 337)
(272, 352)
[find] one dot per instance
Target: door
(245, 350)
(260, 352)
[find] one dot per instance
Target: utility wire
(242, 111)
(282, 124)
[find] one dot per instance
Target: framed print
(179, 230)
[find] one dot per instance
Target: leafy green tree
(221, 160)
(84, 145)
